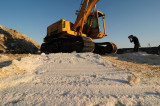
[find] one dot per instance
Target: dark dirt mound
(12, 41)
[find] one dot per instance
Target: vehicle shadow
(152, 93)
(8, 62)
(116, 80)
(5, 63)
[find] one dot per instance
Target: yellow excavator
(64, 36)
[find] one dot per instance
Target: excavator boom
(83, 14)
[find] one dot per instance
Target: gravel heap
(12, 41)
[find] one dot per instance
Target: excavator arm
(85, 11)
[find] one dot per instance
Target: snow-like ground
(76, 79)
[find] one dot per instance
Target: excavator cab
(92, 27)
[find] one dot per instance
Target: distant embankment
(149, 50)
(12, 41)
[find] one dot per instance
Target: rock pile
(12, 41)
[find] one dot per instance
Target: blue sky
(123, 17)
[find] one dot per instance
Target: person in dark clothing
(136, 42)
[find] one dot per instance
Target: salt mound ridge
(72, 79)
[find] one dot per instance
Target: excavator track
(105, 47)
(88, 44)
(76, 43)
